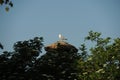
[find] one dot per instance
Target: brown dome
(61, 46)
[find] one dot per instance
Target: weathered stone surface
(61, 46)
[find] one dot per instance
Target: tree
(14, 65)
(57, 64)
(62, 61)
(104, 61)
(8, 4)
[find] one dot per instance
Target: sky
(47, 18)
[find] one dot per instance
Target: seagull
(62, 38)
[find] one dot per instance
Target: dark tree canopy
(103, 62)
(62, 61)
(56, 64)
(14, 65)
(8, 4)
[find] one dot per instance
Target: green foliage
(14, 65)
(83, 52)
(55, 65)
(103, 62)
(8, 4)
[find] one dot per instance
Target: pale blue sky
(48, 18)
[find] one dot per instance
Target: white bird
(61, 37)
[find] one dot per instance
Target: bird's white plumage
(61, 37)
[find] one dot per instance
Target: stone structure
(61, 46)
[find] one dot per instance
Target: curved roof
(61, 46)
